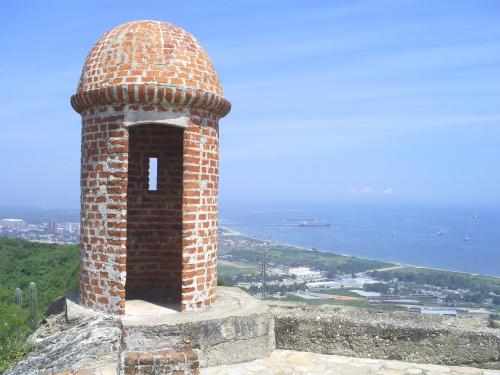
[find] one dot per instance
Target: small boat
(466, 238)
(393, 234)
(439, 233)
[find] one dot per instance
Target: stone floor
(139, 307)
(285, 362)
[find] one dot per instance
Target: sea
(438, 236)
(445, 237)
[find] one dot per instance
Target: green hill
(54, 269)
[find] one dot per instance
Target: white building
(72, 227)
(325, 285)
(16, 224)
(342, 282)
(304, 272)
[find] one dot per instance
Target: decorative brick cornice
(151, 94)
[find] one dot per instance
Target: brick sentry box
(150, 102)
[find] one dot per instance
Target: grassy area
(230, 270)
(340, 292)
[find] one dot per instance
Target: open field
(339, 297)
(229, 270)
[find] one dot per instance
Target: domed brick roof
(154, 55)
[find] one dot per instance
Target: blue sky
(362, 101)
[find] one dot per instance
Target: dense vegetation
(54, 269)
(441, 278)
(334, 264)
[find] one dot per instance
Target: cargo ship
(313, 224)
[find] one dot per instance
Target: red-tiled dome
(149, 53)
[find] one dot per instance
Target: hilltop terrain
(54, 268)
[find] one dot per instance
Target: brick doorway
(154, 214)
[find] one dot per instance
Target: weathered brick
(134, 239)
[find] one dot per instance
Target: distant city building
(325, 285)
(15, 224)
(342, 282)
(72, 227)
(303, 272)
(52, 227)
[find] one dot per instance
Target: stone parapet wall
(400, 336)
(239, 328)
(78, 341)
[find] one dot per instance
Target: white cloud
(368, 190)
(371, 190)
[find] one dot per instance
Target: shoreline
(395, 264)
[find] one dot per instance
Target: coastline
(395, 264)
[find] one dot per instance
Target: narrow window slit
(153, 174)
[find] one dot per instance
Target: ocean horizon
(463, 239)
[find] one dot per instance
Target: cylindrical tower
(150, 102)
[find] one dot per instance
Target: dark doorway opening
(154, 214)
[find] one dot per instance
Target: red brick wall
(135, 240)
(153, 52)
(104, 164)
(167, 361)
(154, 228)
(201, 169)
